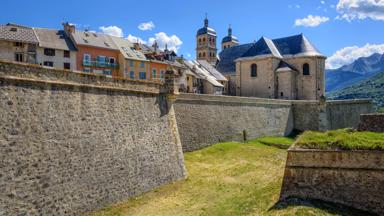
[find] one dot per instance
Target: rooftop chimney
(69, 28)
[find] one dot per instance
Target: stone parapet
(372, 122)
(351, 178)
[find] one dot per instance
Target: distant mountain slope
(370, 88)
(355, 72)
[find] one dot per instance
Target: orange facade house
(97, 53)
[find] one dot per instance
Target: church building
(285, 68)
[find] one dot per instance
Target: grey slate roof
(285, 66)
(54, 39)
(206, 30)
(229, 39)
(17, 33)
(228, 56)
(87, 38)
(212, 70)
(264, 46)
(297, 45)
(127, 49)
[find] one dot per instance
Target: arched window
(254, 70)
(306, 69)
(204, 54)
(204, 39)
(199, 40)
(210, 39)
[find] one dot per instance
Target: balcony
(100, 64)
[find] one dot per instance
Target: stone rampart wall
(204, 120)
(351, 178)
(372, 122)
(71, 143)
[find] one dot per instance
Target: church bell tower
(206, 43)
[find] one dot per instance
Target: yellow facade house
(133, 63)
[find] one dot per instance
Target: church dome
(230, 37)
(206, 29)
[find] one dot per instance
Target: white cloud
(349, 54)
(322, 2)
(134, 39)
(311, 21)
(360, 9)
(297, 6)
(173, 42)
(146, 26)
(112, 30)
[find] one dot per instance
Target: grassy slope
(343, 139)
(370, 88)
(225, 179)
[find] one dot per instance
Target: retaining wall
(351, 178)
(372, 122)
(71, 143)
(204, 120)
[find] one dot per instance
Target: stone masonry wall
(204, 120)
(372, 122)
(351, 178)
(346, 113)
(71, 143)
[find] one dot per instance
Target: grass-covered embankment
(226, 179)
(343, 139)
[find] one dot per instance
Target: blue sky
(334, 24)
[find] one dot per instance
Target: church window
(203, 39)
(210, 39)
(306, 69)
(281, 94)
(199, 55)
(254, 70)
(213, 40)
(199, 40)
(204, 54)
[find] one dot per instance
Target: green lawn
(343, 139)
(225, 179)
(280, 142)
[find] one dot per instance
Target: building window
(161, 74)
(18, 44)
(142, 75)
(48, 63)
(204, 54)
(49, 52)
(101, 60)
(281, 94)
(254, 70)
(142, 64)
(199, 40)
(203, 39)
(131, 63)
(87, 70)
(154, 73)
(199, 55)
(112, 60)
(66, 54)
(67, 66)
(306, 69)
(87, 59)
(107, 72)
(19, 57)
(132, 75)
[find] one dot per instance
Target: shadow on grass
(331, 208)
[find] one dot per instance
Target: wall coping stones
(338, 159)
(22, 72)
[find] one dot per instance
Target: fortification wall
(346, 113)
(204, 120)
(372, 122)
(351, 178)
(73, 142)
(306, 115)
